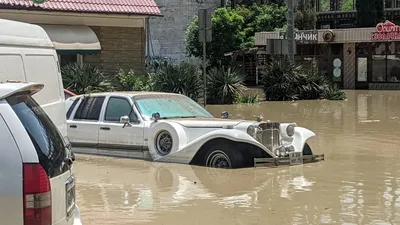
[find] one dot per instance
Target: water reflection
(114, 188)
(357, 184)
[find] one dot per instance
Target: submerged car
(169, 127)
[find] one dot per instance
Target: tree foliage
(234, 29)
(227, 35)
(369, 12)
(305, 19)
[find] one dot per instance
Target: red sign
(386, 31)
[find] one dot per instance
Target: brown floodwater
(357, 184)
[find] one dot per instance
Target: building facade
(108, 35)
(166, 34)
(358, 58)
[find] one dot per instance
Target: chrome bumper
(77, 217)
(293, 160)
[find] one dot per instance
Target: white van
(27, 54)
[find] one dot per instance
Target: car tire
(307, 149)
(223, 155)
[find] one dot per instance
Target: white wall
(167, 33)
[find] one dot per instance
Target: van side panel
(11, 64)
(43, 66)
(11, 201)
(34, 64)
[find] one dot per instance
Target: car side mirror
(125, 120)
(155, 116)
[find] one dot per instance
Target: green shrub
(183, 78)
(285, 80)
(279, 80)
(82, 79)
(224, 85)
(128, 81)
(334, 93)
(246, 99)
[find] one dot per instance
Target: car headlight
(251, 130)
(290, 130)
(290, 148)
(282, 151)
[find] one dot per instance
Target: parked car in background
(27, 54)
(37, 182)
(173, 128)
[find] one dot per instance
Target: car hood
(207, 122)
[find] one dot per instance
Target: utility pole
(205, 35)
(290, 16)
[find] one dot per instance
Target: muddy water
(357, 184)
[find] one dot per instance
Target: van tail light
(37, 195)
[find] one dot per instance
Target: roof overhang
(70, 39)
(73, 18)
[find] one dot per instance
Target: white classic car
(169, 127)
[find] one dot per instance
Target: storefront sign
(386, 31)
(303, 36)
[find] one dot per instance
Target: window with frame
(117, 107)
(68, 59)
(69, 112)
(90, 108)
(386, 62)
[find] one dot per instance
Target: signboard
(278, 47)
(303, 36)
(205, 26)
(386, 31)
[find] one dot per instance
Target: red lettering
(387, 27)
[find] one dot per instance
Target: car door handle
(73, 126)
(104, 128)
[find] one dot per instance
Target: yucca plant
(246, 99)
(183, 78)
(285, 80)
(82, 78)
(224, 85)
(334, 93)
(281, 79)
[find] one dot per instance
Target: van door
(83, 128)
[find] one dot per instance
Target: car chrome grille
(270, 137)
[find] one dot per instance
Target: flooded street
(357, 184)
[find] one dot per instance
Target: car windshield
(169, 106)
(48, 142)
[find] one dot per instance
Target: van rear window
(44, 135)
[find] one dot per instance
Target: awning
(70, 39)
